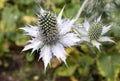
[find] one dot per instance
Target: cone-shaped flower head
(48, 28)
(94, 32)
(50, 36)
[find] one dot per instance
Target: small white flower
(94, 32)
(50, 36)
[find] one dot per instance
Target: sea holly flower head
(94, 32)
(50, 36)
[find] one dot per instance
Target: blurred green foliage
(85, 63)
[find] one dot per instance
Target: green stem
(91, 49)
(81, 9)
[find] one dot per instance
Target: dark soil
(15, 67)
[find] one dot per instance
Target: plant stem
(81, 9)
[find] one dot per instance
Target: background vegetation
(85, 62)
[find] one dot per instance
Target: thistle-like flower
(50, 36)
(94, 32)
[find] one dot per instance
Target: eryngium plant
(50, 36)
(94, 32)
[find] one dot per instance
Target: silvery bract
(50, 36)
(94, 32)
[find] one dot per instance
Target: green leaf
(3, 44)
(108, 65)
(24, 1)
(29, 57)
(58, 1)
(72, 11)
(116, 20)
(116, 31)
(2, 3)
(21, 40)
(9, 17)
(84, 63)
(66, 71)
